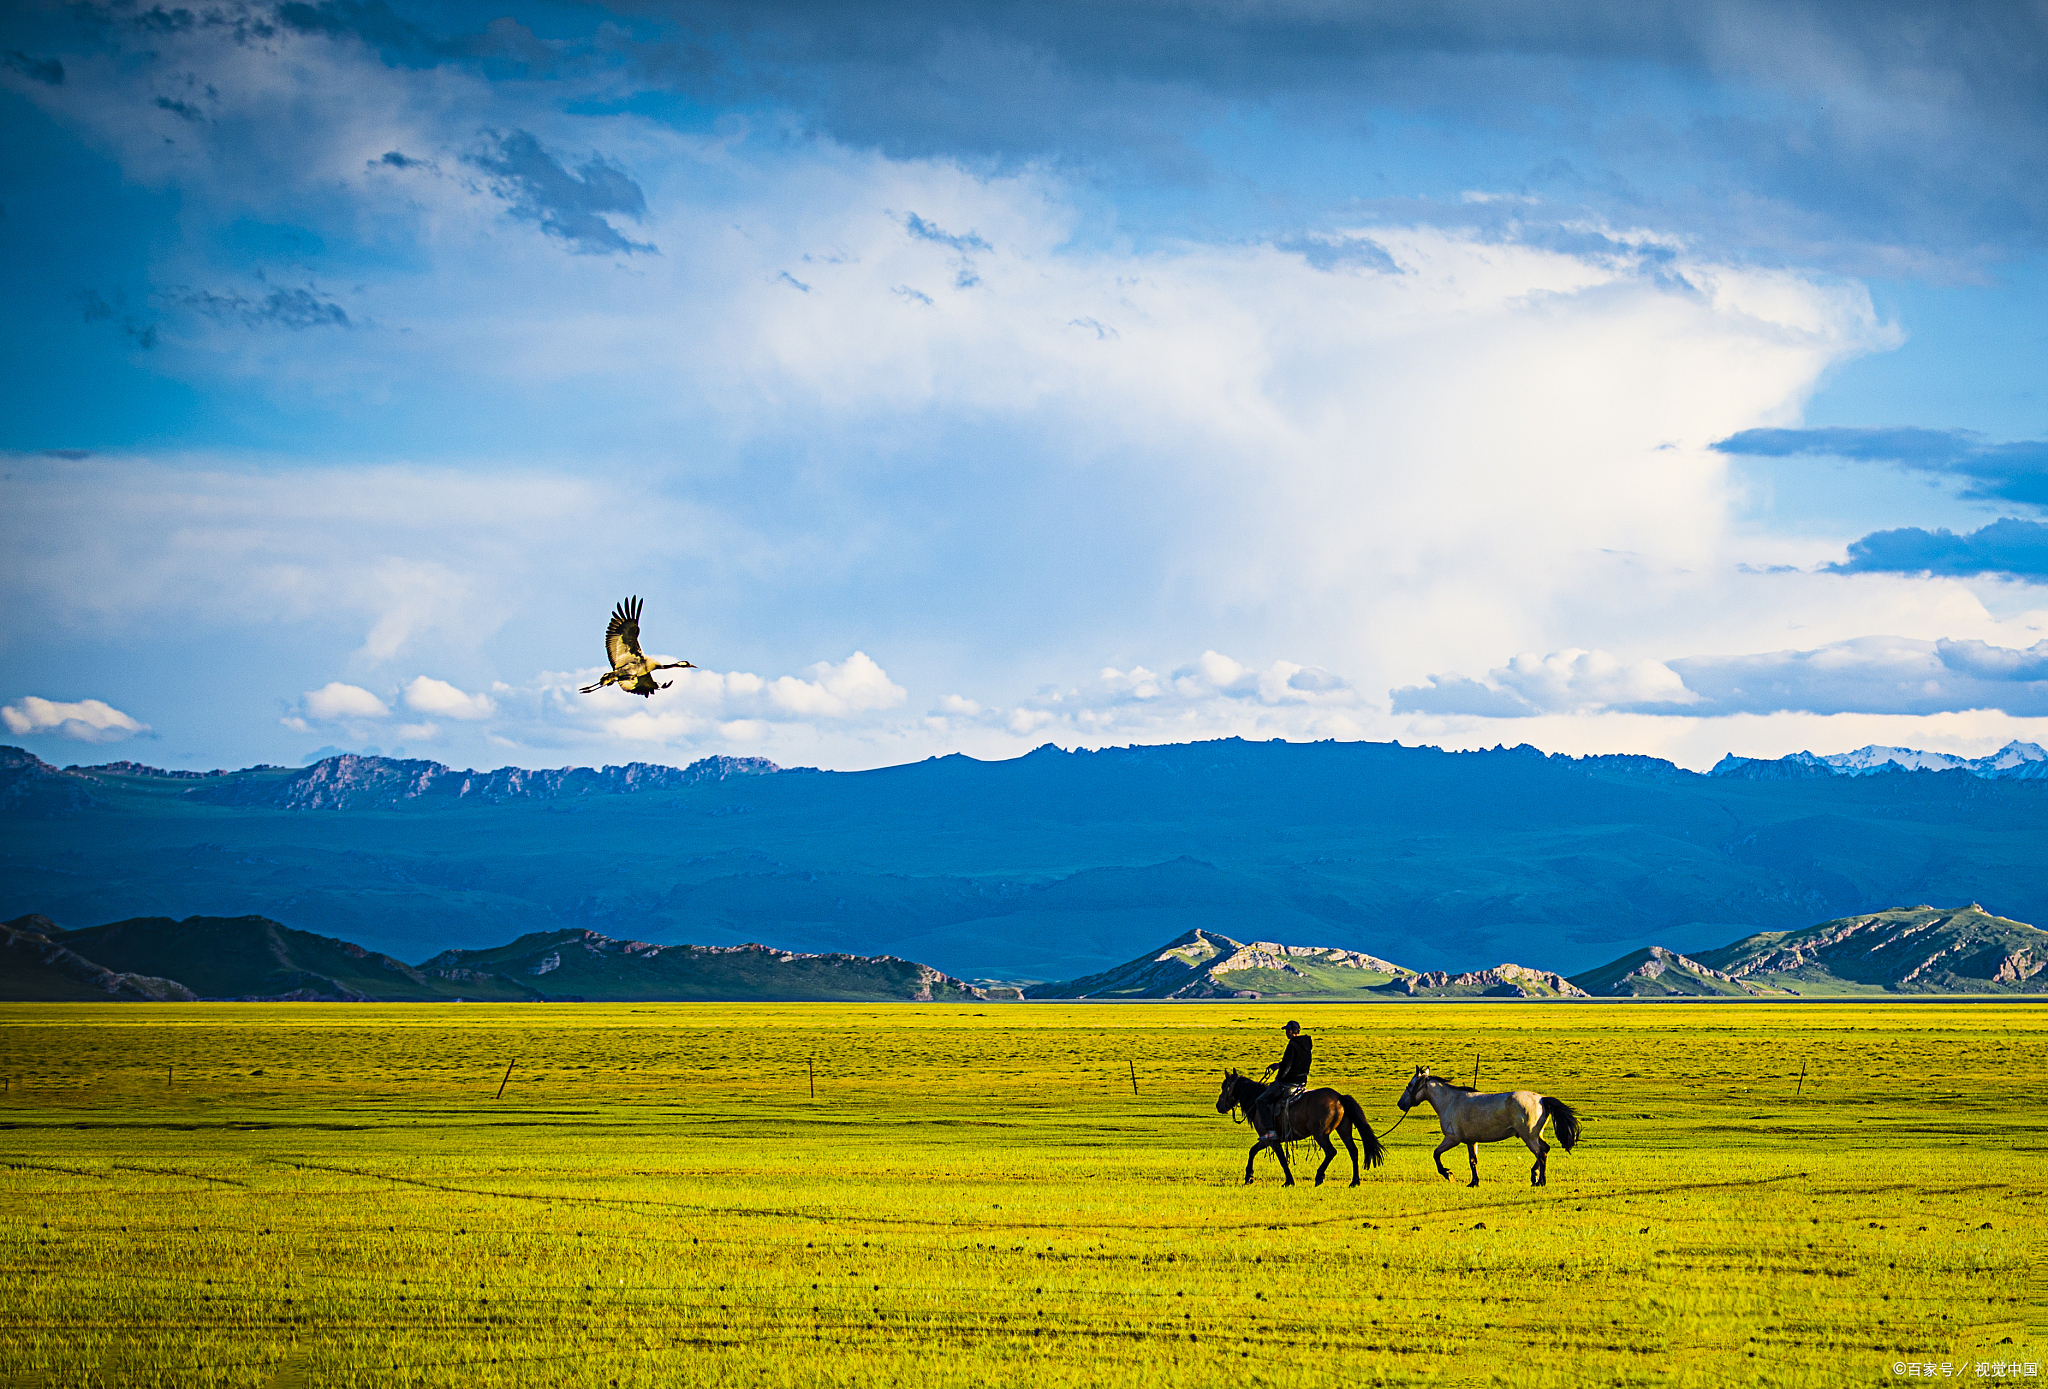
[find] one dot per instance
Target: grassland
(332, 1195)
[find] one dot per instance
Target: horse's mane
(1453, 1085)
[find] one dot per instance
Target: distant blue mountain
(1050, 866)
(2016, 761)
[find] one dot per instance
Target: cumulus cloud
(1574, 681)
(334, 700)
(1141, 446)
(1213, 695)
(704, 708)
(1984, 661)
(1988, 471)
(2014, 548)
(86, 721)
(1592, 680)
(1865, 675)
(854, 685)
(430, 696)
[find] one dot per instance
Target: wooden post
(814, 1077)
(1475, 1073)
(167, 1077)
(1134, 1074)
(503, 1083)
(1802, 1079)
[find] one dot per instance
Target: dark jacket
(1294, 1062)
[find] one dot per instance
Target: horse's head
(1412, 1096)
(1227, 1101)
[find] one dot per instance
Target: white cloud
(86, 721)
(334, 700)
(1502, 448)
(430, 696)
(418, 732)
(855, 685)
(1863, 675)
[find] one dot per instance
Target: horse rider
(1291, 1071)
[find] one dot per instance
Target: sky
(1665, 378)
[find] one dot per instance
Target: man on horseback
(1290, 1073)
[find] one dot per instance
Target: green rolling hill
(250, 957)
(1906, 950)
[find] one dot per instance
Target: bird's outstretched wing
(622, 637)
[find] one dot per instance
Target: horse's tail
(1565, 1120)
(1375, 1151)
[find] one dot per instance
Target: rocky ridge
(352, 782)
(1919, 949)
(1197, 965)
(1655, 972)
(1502, 981)
(2016, 761)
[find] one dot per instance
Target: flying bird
(631, 671)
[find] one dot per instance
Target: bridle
(1236, 1105)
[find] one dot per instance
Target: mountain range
(1052, 866)
(250, 958)
(2016, 761)
(1918, 950)
(1907, 950)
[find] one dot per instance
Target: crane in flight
(631, 670)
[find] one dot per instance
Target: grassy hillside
(1659, 973)
(34, 965)
(1054, 865)
(1911, 950)
(249, 957)
(587, 965)
(253, 958)
(1202, 964)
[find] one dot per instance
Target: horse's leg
(1442, 1148)
(1472, 1151)
(1329, 1156)
(1280, 1142)
(1539, 1174)
(1351, 1148)
(1252, 1157)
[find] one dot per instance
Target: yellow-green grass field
(329, 1194)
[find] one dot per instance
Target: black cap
(1290, 1026)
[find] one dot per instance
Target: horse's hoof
(1473, 1182)
(1354, 1181)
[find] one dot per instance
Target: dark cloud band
(2008, 472)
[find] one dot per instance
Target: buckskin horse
(1468, 1117)
(1314, 1115)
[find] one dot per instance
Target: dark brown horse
(1314, 1115)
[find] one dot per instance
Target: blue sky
(1654, 378)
